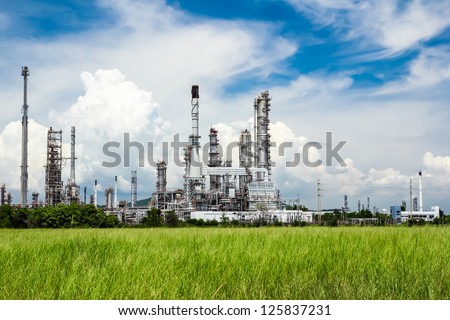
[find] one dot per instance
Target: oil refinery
(219, 186)
(245, 189)
(212, 189)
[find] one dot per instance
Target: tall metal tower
(73, 190)
(53, 182)
(133, 188)
(72, 155)
(94, 198)
(345, 203)
(24, 166)
(196, 162)
(35, 199)
(420, 192)
(245, 149)
(3, 195)
(109, 198)
(245, 156)
(261, 134)
(161, 182)
(194, 182)
(115, 193)
(214, 158)
(319, 200)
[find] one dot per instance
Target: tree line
(88, 216)
(60, 216)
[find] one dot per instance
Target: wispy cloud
(431, 68)
(392, 25)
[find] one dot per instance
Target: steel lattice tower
(24, 166)
(53, 181)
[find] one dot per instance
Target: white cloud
(111, 107)
(312, 89)
(163, 50)
(437, 165)
(393, 25)
(430, 69)
(10, 157)
(154, 52)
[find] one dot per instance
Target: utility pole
(410, 198)
(319, 204)
(24, 166)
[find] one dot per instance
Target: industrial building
(219, 188)
(402, 216)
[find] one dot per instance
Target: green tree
(172, 219)
(5, 216)
(153, 218)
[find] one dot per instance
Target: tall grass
(218, 263)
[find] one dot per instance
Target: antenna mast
(24, 166)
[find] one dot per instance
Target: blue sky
(375, 73)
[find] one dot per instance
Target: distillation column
(133, 188)
(24, 166)
(262, 136)
(161, 184)
(161, 171)
(214, 159)
(109, 199)
(245, 155)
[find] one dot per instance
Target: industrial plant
(214, 190)
(218, 186)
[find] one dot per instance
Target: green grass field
(225, 263)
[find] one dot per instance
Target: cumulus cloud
(158, 47)
(10, 156)
(437, 164)
(111, 108)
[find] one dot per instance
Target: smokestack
(115, 193)
(196, 166)
(95, 194)
(24, 166)
(420, 192)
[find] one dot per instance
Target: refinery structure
(245, 189)
(208, 188)
(212, 189)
